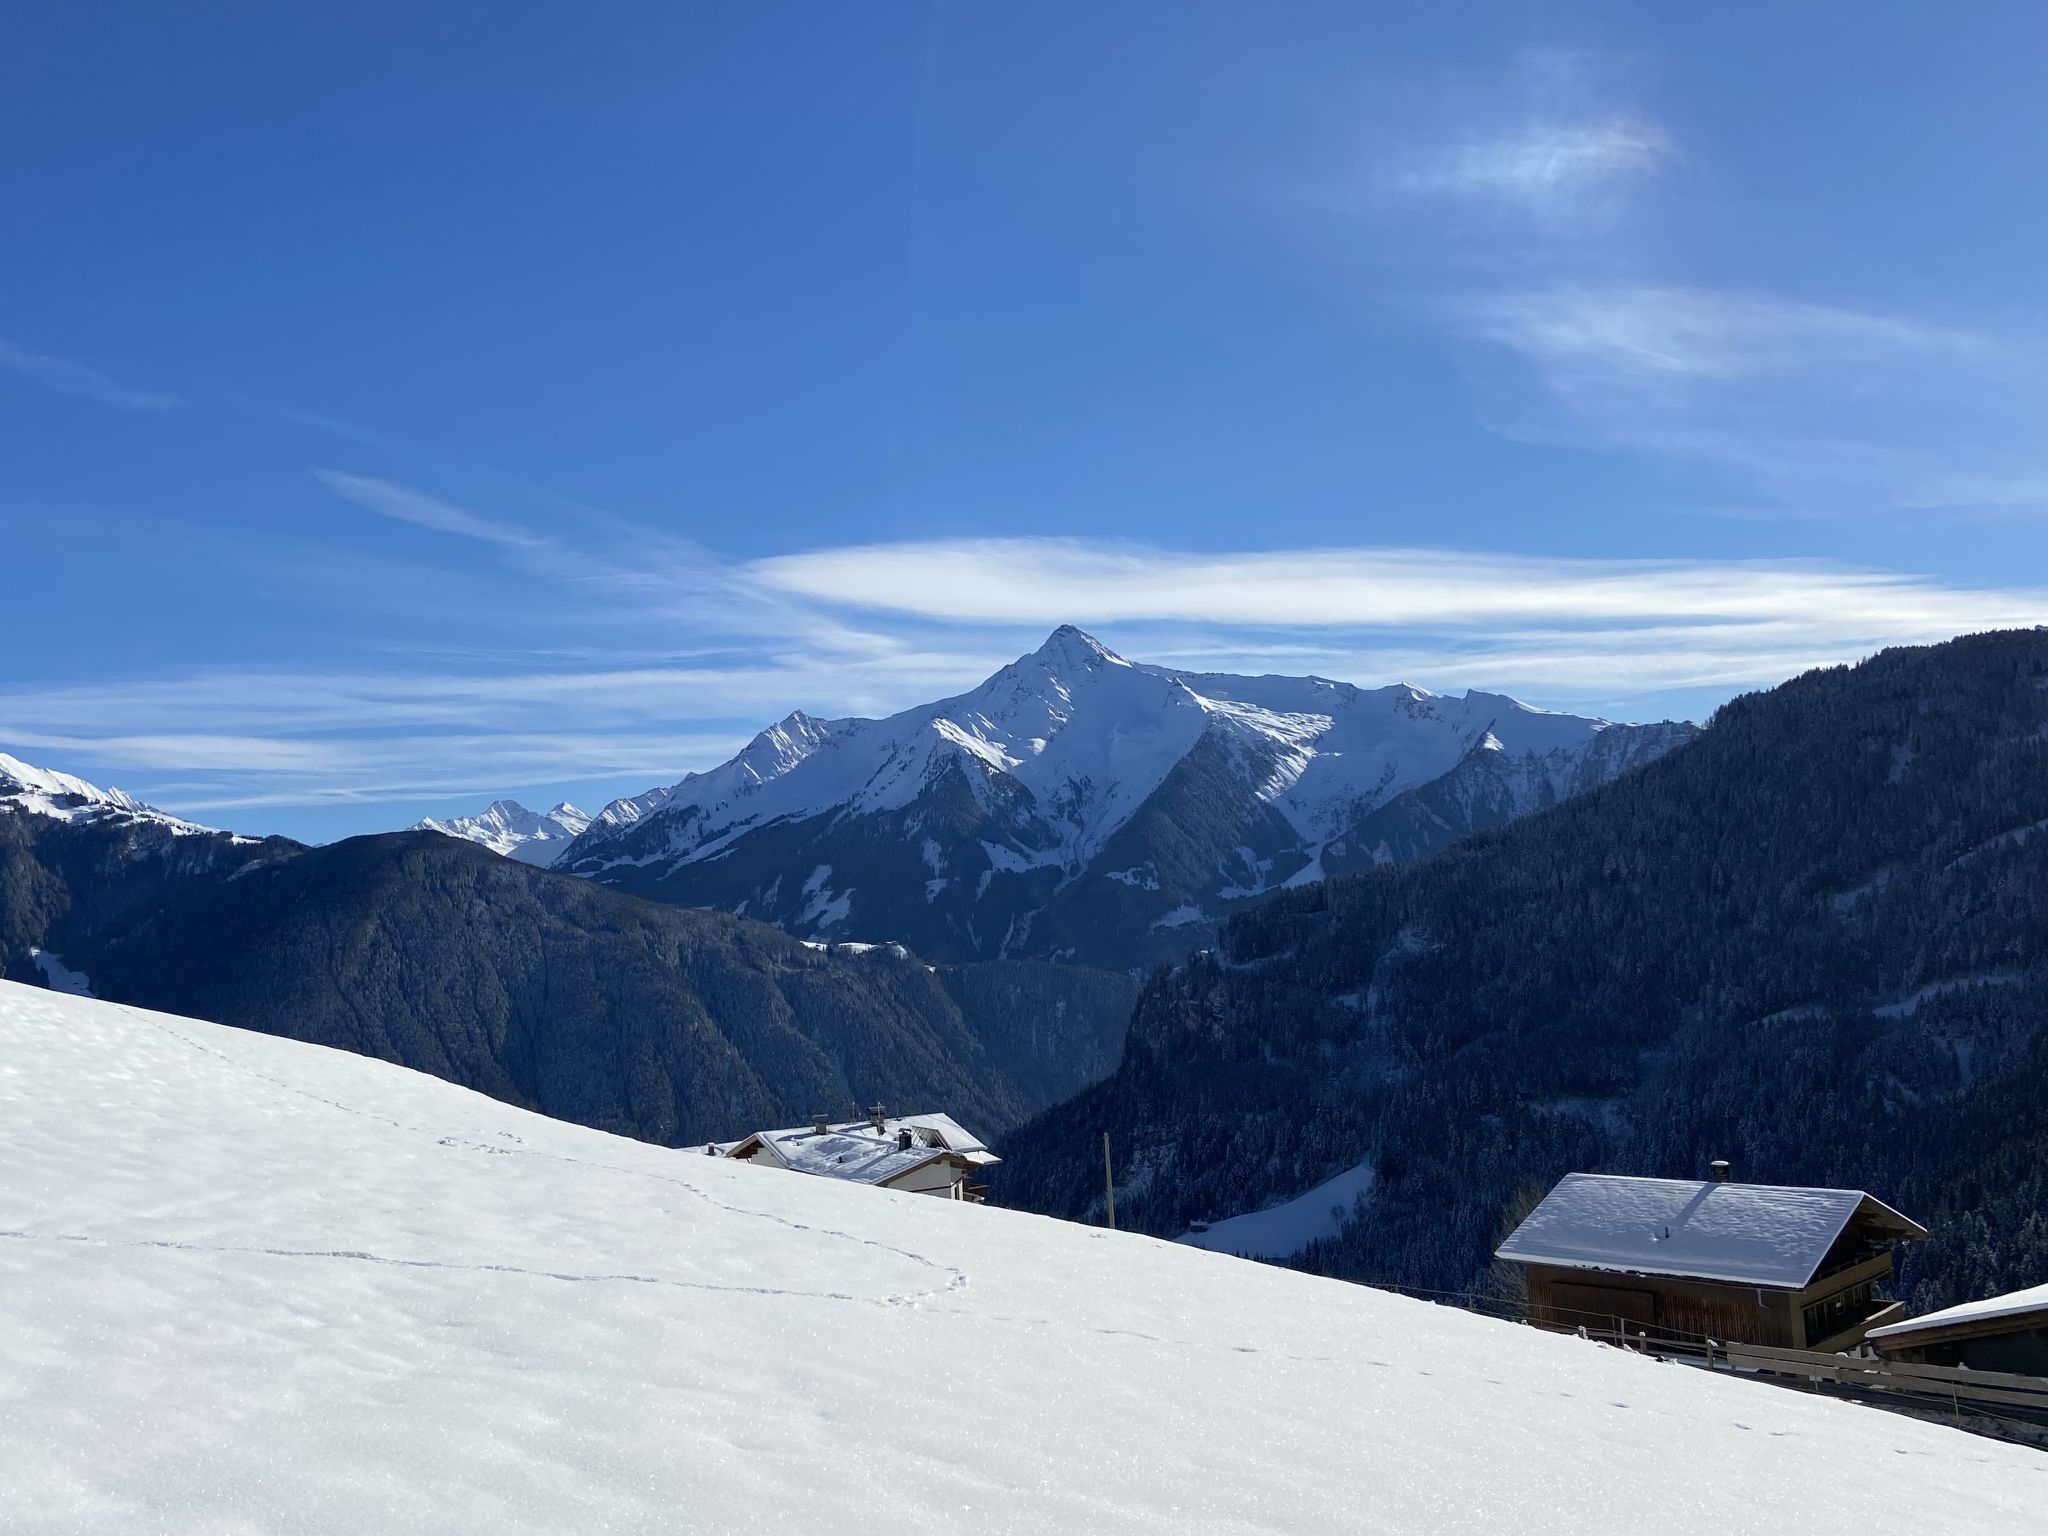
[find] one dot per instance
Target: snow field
(1283, 1230)
(252, 1285)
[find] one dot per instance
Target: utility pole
(1108, 1181)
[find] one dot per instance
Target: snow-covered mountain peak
(1072, 648)
(784, 744)
(509, 828)
(1057, 753)
(66, 797)
(26, 778)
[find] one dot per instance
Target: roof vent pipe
(1719, 1169)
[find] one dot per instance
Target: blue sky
(414, 405)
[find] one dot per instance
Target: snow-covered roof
(859, 1159)
(2034, 1299)
(857, 1152)
(956, 1137)
(1745, 1234)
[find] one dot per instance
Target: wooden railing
(2001, 1395)
(1993, 1392)
(1998, 1403)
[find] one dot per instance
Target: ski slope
(251, 1285)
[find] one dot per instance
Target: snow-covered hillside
(252, 1285)
(1075, 796)
(65, 797)
(507, 827)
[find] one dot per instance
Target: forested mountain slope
(540, 989)
(1814, 941)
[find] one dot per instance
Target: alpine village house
(1762, 1264)
(1997, 1333)
(924, 1154)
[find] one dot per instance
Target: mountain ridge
(67, 797)
(544, 990)
(999, 822)
(509, 828)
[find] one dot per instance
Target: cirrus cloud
(1539, 164)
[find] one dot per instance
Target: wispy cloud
(1539, 165)
(197, 774)
(1814, 403)
(1552, 141)
(875, 628)
(1523, 211)
(69, 378)
(1559, 627)
(1648, 333)
(407, 505)
(1018, 580)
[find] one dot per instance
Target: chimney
(1718, 1168)
(820, 1124)
(877, 1116)
(903, 1139)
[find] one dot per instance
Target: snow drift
(255, 1285)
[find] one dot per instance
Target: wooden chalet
(1999, 1333)
(1682, 1259)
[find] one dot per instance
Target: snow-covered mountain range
(1077, 805)
(254, 1285)
(507, 827)
(65, 797)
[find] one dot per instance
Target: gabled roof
(2030, 1304)
(1768, 1235)
(857, 1152)
(858, 1159)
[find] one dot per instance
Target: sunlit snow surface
(1281, 1231)
(251, 1285)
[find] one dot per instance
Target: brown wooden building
(1683, 1259)
(1999, 1333)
